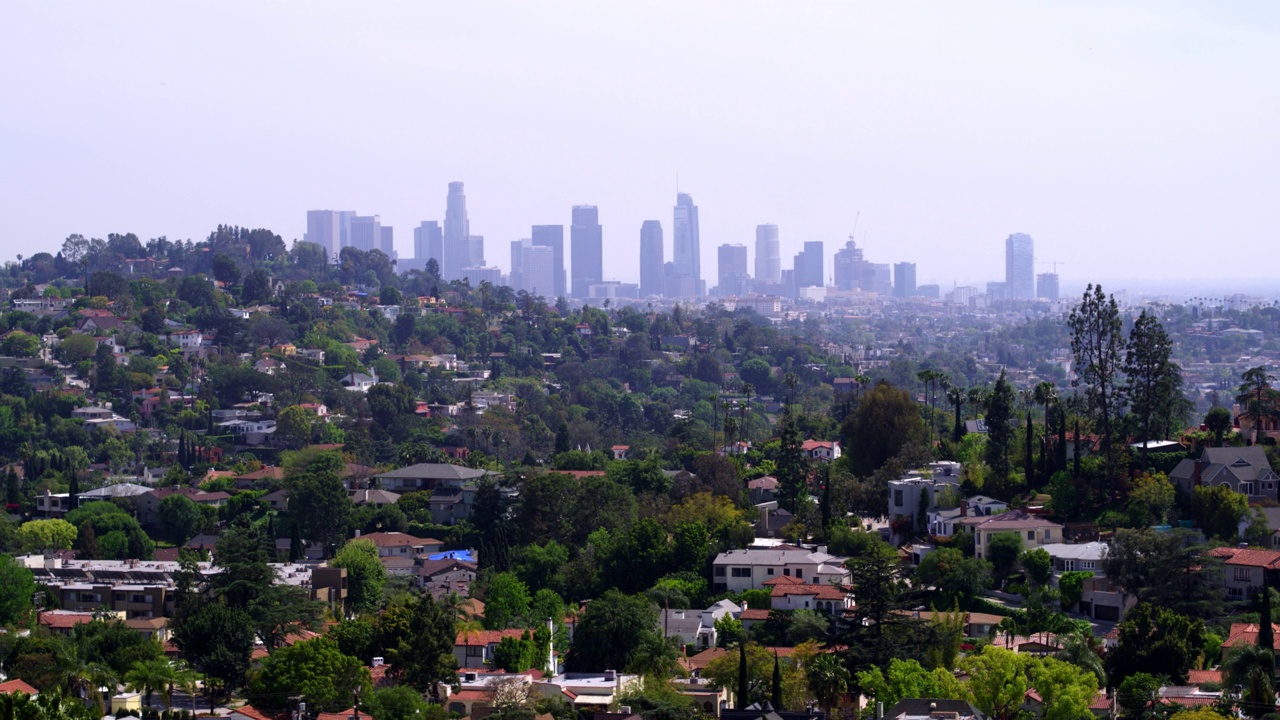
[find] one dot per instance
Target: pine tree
(792, 469)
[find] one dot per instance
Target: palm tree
(187, 680)
(1045, 394)
(828, 678)
(1251, 667)
(150, 675)
(664, 594)
(862, 381)
(1078, 650)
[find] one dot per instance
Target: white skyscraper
(768, 255)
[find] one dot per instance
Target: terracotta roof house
(474, 649)
(1244, 569)
(17, 685)
(398, 543)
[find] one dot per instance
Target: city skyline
(1133, 130)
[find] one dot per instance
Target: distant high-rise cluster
(336, 229)
(542, 264)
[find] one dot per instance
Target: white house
(821, 449)
(359, 382)
(187, 339)
(750, 569)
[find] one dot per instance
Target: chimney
(964, 508)
(1199, 472)
(378, 661)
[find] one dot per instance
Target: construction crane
(1054, 263)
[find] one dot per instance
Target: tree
(792, 468)
(1071, 587)
(422, 655)
(149, 676)
(506, 601)
(17, 588)
(828, 680)
(366, 575)
(318, 500)
(315, 669)
(998, 680)
(398, 703)
(1166, 569)
(1151, 498)
(1038, 567)
(1218, 511)
(956, 397)
(880, 626)
(77, 348)
(1259, 397)
(886, 422)
(1078, 649)
(747, 672)
(1157, 641)
(1066, 690)
(45, 706)
(1002, 552)
(957, 578)
(1252, 667)
(610, 630)
(1218, 421)
(1097, 343)
(257, 287)
(38, 535)
(293, 426)
(901, 679)
(181, 519)
(1153, 384)
(217, 640)
(1001, 429)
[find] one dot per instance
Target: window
(799, 573)
(977, 538)
(719, 571)
(768, 571)
(1031, 534)
(786, 571)
(475, 651)
(1242, 574)
(897, 498)
(1048, 535)
(741, 572)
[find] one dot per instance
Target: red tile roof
(821, 591)
(17, 685)
(487, 637)
(754, 614)
(397, 539)
(1201, 677)
(1246, 634)
(783, 580)
(253, 713)
(1248, 557)
(64, 619)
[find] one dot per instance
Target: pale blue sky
(1130, 139)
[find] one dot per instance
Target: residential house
(148, 503)
(597, 690)
(933, 709)
(95, 416)
(359, 382)
(1244, 569)
(620, 451)
(1243, 469)
(58, 504)
(788, 593)
(392, 544)
(821, 449)
(187, 339)
(1100, 597)
(1034, 531)
(428, 476)
(474, 648)
(366, 496)
(749, 569)
(921, 491)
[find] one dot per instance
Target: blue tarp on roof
(463, 555)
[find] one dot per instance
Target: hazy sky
(1130, 139)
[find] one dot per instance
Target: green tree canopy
(315, 669)
(366, 575)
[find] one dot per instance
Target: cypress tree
(775, 697)
(1029, 466)
(1062, 439)
(1266, 638)
(73, 497)
(1075, 460)
(295, 543)
(742, 674)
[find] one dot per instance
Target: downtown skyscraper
(1020, 267)
(456, 251)
(428, 243)
(686, 256)
(732, 270)
(552, 236)
(586, 248)
(768, 254)
(652, 259)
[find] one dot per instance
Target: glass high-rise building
(552, 236)
(768, 255)
(686, 255)
(732, 269)
(456, 250)
(428, 242)
(848, 267)
(904, 279)
(808, 265)
(652, 259)
(586, 248)
(1020, 267)
(1047, 286)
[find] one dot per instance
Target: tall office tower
(477, 275)
(652, 259)
(586, 247)
(538, 269)
(687, 247)
(904, 279)
(768, 257)
(475, 250)
(733, 269)
(882, 278)
(456, 249)
(325, 228)
(366, 232)
(516, 278)
(808, 266)
(1047, 286)
(552, 236)
(387, 242)
(848, 268)
(1020, 266)
(428, 242)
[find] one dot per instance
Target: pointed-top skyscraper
(456, 250)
